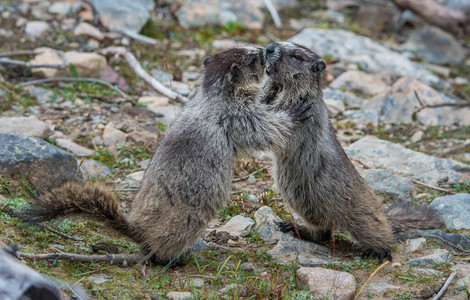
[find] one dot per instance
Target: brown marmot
(189, 176)
(313, 173)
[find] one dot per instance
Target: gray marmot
(313, 173)
(189, 176)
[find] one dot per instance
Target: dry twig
(138, 37)
(447, 191)
(370, 277)
(139, 70)
(69, 79)
(273, 12)
(4, 60)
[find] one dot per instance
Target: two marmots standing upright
(313, 173)
(189, 176)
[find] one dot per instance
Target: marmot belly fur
(189, 177)
(313, 173)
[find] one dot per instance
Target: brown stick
(28, 64)
(370, 277)
(437, 14)
(139, 70)
(69, 79)
(432, 187)
(122, 259)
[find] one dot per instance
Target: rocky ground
(397, 90)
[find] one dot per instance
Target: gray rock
(99, 278)
(335, 107)
(383, 182)
(42, 95)
(179, 295)
(287, 249)
(326, 283)
(60, 8)
(30, 126)
(357, 81)
(370, 55)
(363, 116)
(124, 14)
(94, 169)
(18, 281)
(35, 29)
(89, 31)
(237, 288)
(45, 165)
(415, 245)
(76, 149)
(381, 287)
(169, 113)
(136, 176)
(195, 282)
(454, 210)
(236, 227)
(435, 46)
(248, 266)
(346, 97)
(417, 136)
(400, 105)
(438, 256)
(378, 153)
(425, 272)
(208, 12)
(450, 241)
(458, 5)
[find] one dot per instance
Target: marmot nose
(270, 48)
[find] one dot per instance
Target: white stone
(415, 245)
(153, 101)
(60, 8)
(438, 256)
(179, 295)
(326, 283)
(36, 28)
(417, 136)
(76, 149)
(113, 137)
(88, 30)
(237, 226)
(136, 176)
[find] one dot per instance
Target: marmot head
(233, 69)
(294, 65)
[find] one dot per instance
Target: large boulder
(124, 14)
(378, 153)
(371, 56)
(454, 210)
(30, 126)
(42, 163)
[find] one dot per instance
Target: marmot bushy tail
(189, 176)
(74, 198)
(313, 173)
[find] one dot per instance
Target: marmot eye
(298, 56)
(253, 61)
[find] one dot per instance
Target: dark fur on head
(233, 68)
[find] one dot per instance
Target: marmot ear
(207, 60)
(235, 73)
(318, 66)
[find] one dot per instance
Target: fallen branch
(423, 106)
(139, 70)
(4, 60)
(121, 259)
(438, 15)
(370, 277)
(273, 12)
(446, 285)
(432, 187)
(69, 79)
(138, 37)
